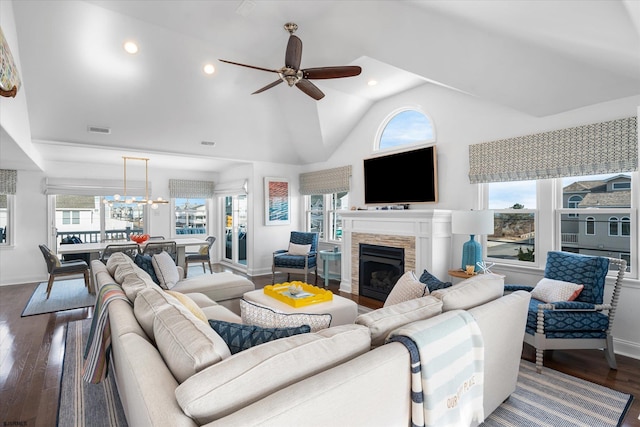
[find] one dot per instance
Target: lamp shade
(472, 222)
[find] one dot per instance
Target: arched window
(590, 228)
(625, 226)
(613, 226)
(573, 203)
(406, 127)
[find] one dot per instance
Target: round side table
(328, 256)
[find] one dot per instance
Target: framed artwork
(276, 201)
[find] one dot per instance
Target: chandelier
(117, 198)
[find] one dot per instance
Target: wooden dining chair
(56, 268)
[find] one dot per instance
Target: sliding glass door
(235, 228)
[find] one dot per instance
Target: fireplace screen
(380, 269)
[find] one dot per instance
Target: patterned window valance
(186, 188)
(8, 180)
(599, 148)
(325, 181)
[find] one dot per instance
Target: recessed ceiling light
(209, 69)
(372, 82)
(131, 47)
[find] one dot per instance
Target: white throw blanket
(447, 369)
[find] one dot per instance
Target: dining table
(94, 249)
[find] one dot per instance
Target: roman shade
(190, 188)
(325, 181)
(92, 187)
(599, 148)
(8, 181)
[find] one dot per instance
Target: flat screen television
(402, 178)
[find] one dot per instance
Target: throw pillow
(241, 337)
(54, 258)
(145, 262)
(165, 269)
(189, 304)
(406, 288)
(549, 290)
(295, 249)
(258, 315)
(432, 282)
(204, 250)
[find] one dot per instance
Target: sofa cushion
(432, 282)
(217, 286)
(240, 337)
(145, 262)
(549, 290)
(471, 292)
(406, 288)
(134, 283)
(115, 260)
(265, 317)
(186, 344)
(123, 270)
(166, 270)
(384, 320)
(253, 374)
(147, 304)
(189, 304)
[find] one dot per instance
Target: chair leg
(49, 285)
(204, 270)
(609, 354)
(210, 268)
(186, 269)
(539, 357)
(86, 280)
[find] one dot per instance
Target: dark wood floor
(32, 349)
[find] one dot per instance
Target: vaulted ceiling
(538, 57)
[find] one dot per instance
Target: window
(574, 201)
(514, 206)
(407, 127)
(70, 217)
(6, 210)
(323, 214)
(604, 225)
(590, 226)
(190, 216)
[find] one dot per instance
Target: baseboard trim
(626, 348)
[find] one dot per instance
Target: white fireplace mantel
(428, 232)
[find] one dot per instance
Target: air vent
(98, 129)
(209, 143)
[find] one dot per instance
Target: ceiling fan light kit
(294, 75)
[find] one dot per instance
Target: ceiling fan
(294, 76)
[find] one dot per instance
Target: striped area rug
(82, 404)
(555, 399)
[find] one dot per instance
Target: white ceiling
(538, 57)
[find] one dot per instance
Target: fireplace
(380, 268)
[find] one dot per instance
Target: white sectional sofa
(172, 369)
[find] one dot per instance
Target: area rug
(81, 403)
(556, 399)
(65, 295)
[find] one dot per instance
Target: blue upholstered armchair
(297, 258)
(584, 323)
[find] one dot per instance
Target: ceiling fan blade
(331, 72)
(310, 89)
(249, 66)
(269, 86)
(294, 53)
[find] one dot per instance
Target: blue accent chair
(584, 323)
(303, 264)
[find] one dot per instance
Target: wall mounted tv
(402, 178)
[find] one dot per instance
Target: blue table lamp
(472, 223)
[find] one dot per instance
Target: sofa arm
(180, 272)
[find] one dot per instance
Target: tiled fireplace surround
(425, 236)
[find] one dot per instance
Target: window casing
(323, 215)
(7, 209)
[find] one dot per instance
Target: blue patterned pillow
(432, 282)
(144, 262)
(241, 337)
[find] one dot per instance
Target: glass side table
(327, 257)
